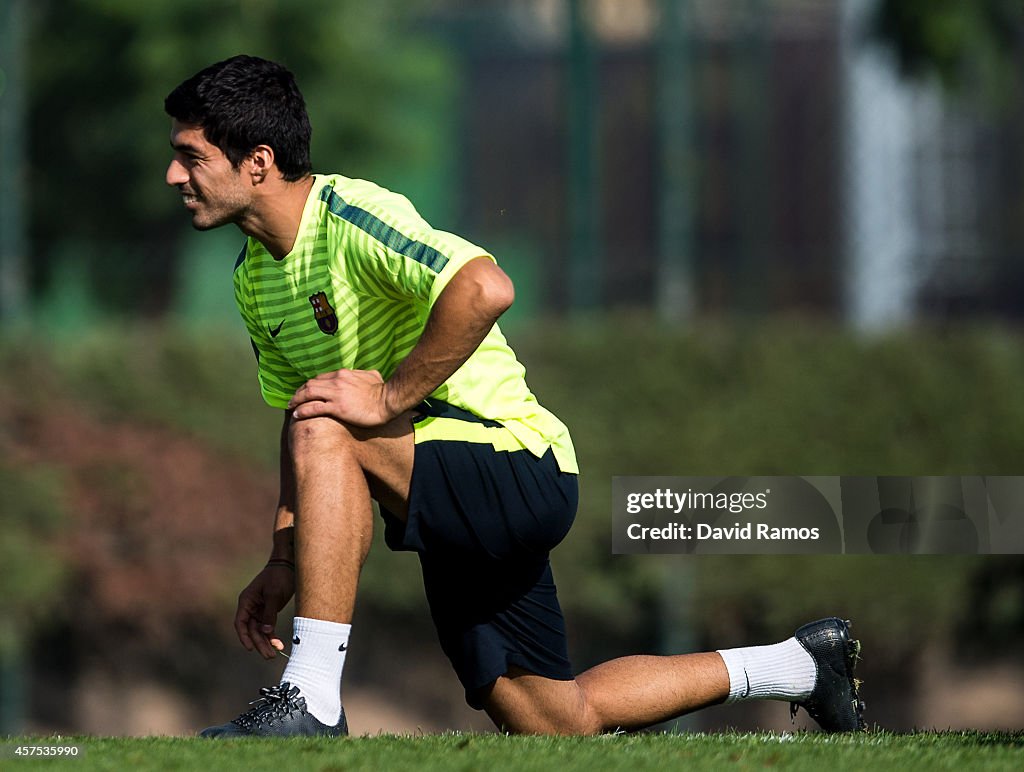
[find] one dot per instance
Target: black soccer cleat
(279, 712)
(834, 703)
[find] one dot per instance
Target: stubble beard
(224, 214)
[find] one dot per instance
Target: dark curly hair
(243, 102)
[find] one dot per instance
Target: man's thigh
(483, 515)
(495, 615)
(476, 491)
(386, 453)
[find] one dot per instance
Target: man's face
(213, 191)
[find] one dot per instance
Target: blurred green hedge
(771, 398)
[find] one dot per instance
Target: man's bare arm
(284, 521)
(460, 319)
(260, 602)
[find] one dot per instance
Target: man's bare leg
(330, 471)
(814, 669)
(336, 471)
(627, 693)
(335, 468)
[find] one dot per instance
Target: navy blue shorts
(483, 515)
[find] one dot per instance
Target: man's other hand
(258, 605)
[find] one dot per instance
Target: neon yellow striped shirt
(355, 293)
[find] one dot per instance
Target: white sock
(781, 671)
(317, 659)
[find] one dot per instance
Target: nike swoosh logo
(275, 330)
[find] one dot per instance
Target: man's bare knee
(317, 435)
(535, 705)
(384, 453)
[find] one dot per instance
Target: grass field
(463, 752)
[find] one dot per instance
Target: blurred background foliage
(960, 42)
(34, 568)
(99, 134)
(138, 463)
(767, 399)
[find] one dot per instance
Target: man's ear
(260, 162)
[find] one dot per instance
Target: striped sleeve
(393, 252)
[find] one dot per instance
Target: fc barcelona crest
(326, 319)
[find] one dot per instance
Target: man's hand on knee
(355, 397)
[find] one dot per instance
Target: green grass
(882, 750)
